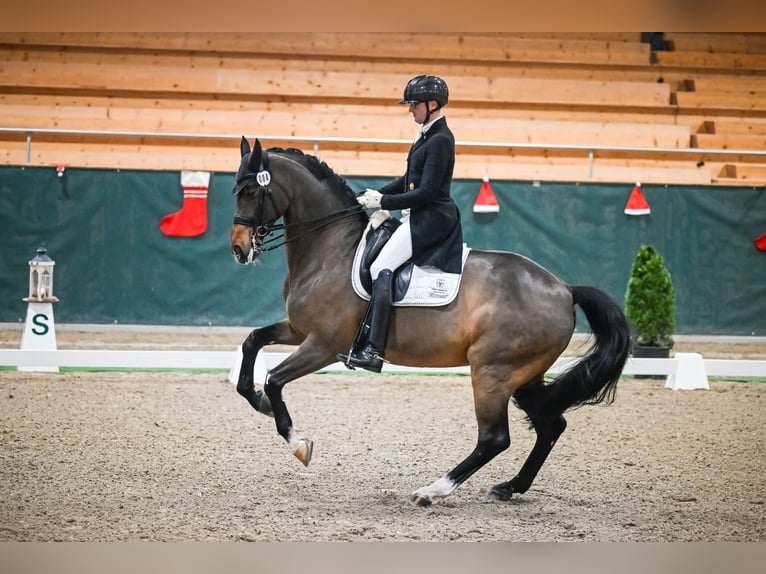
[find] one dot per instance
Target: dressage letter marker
(39, 333)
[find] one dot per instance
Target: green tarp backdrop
(113, 264)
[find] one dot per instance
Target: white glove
(370, 199)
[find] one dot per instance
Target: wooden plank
(700, 120)
(356, 62)
(224, 158)
(235, 77)
(744, 102)
(102, 105)
(739, 126)
(731, 42)
(403, 67)
(730, 84)
(408, 46)
(603, 36)
(753, 173)
(338, 123)
(729, 141)
(570, 92)
(724, 61)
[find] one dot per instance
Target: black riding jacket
(437, 234)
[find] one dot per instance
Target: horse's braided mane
(319, 169)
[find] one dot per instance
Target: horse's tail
(594, 378)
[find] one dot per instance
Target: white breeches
(397, 251)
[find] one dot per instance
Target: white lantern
(41, 277)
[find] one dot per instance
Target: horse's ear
(244, 147)
(254, 163)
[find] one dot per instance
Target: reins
(260, 232)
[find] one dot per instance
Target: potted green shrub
(650, 304)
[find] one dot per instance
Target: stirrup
(343, 358)
(368, 358)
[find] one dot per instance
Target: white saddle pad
(429, 286)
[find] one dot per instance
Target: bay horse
(510, 321)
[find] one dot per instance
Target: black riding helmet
(425, 88)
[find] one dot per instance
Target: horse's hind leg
(277, 333)
(548, 427)
(491, 397)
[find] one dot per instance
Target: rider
(431, 232)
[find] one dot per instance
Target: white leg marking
(439, 489)
(294, 441)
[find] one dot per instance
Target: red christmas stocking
(192, 219)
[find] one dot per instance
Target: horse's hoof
(420, 501)
(499, 493)
(304, 450)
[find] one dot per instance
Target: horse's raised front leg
(278, 333)
(491, 397)
(305, 360)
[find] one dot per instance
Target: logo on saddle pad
(414, 286)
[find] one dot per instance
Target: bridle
(262, 230)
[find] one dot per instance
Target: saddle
(413, 285)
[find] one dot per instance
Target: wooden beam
(742, 126)
(224, 158)
(722, 61)
(228, 76)
(729, 141)
(749, 173)
(730, 84)
(407, 46)
(339, 122)
(101, 105)
(731, 42)
(755, 104)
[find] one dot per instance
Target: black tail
(594, 378)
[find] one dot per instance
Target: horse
(510, 321)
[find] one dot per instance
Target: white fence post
(690, 373)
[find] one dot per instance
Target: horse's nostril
(238, 254)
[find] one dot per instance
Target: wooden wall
(704, 91)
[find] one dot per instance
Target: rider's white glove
(370, 199)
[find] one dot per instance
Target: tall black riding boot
(370, 356)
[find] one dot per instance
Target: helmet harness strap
(429, 111)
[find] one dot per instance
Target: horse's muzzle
(243, 244)
(239, 255)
